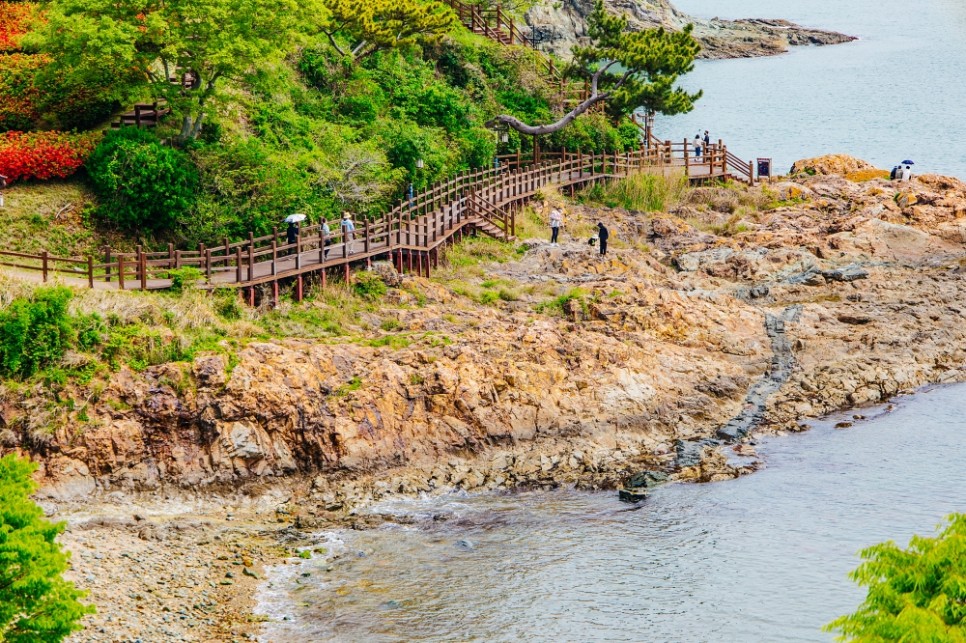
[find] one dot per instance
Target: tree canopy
(914, 594)
(628, 69)
(36, 604)
(182, 48)
(375, 25)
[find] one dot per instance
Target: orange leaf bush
(44, 155)
(15, 19)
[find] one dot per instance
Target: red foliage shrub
(15, 18)
(44, 155)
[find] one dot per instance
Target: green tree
(628, 69)
(376, 25)
(36, 604)
(144, 186)
(916, 594)
(181, 49)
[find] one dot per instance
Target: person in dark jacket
(292, 234)
(602, 234)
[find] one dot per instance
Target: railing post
(366, 230)
(137, 263)
(177, 259)
(90, 271)
(274, 257)
(208, 265)
(144, 269)
(238, 265)
(686, 160)
(43, 264)
(171, 255)
(107, 263)
(298, 251)
(751, 172)
(120, 271)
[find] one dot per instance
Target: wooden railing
(483, 200)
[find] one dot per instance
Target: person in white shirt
(906, 173)
(556, 222)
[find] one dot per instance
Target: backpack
(894, 174)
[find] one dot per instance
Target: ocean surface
(761, 558)
(897, 93)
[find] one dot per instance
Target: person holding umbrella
(292, 234)
(906, 174)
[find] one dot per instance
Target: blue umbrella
(908, 162)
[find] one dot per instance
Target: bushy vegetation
(36, 604)
(35, 332)
(643, 192)
(914, 594)
(143, 186)
(43, 155)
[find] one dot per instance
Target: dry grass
(50, 216)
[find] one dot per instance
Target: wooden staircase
(493, 222)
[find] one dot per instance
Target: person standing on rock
(602, 234)
(556, 222)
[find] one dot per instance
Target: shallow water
(761, 558)
(897, 93)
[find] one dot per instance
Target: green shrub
(143, 185)
(35, 332)
(369, 286)
(183, 279)
(36, 604)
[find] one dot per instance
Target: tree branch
(331, 36)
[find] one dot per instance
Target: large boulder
(840, 164)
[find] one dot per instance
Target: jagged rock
(847, 274)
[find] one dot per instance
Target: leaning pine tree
(628, 69)
(36, 604)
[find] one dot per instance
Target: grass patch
(641, 192)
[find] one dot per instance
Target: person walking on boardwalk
(707, 141)
(326, 238)
(697, 146)
(556, 222)
(292, 235)
(348, 231)
(602, 234)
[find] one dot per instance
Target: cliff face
(654, 349)
(559, 25)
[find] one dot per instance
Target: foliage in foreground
(36, 604)
(916, 594)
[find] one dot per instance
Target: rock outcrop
(560, 25)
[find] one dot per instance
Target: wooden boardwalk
(410, 234)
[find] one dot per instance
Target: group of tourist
(347, 226)
(556, 223)
(701, 144)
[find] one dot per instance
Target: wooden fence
(410, 234)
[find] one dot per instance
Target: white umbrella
(294, 218)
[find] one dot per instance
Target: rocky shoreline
(559, 26)
(736, 308)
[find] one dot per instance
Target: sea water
(897, 93)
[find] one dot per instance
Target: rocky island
(559, 25)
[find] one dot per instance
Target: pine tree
(916, 594)
(628, 69)
(36, 604)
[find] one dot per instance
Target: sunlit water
(897, 93)
(761, 558)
